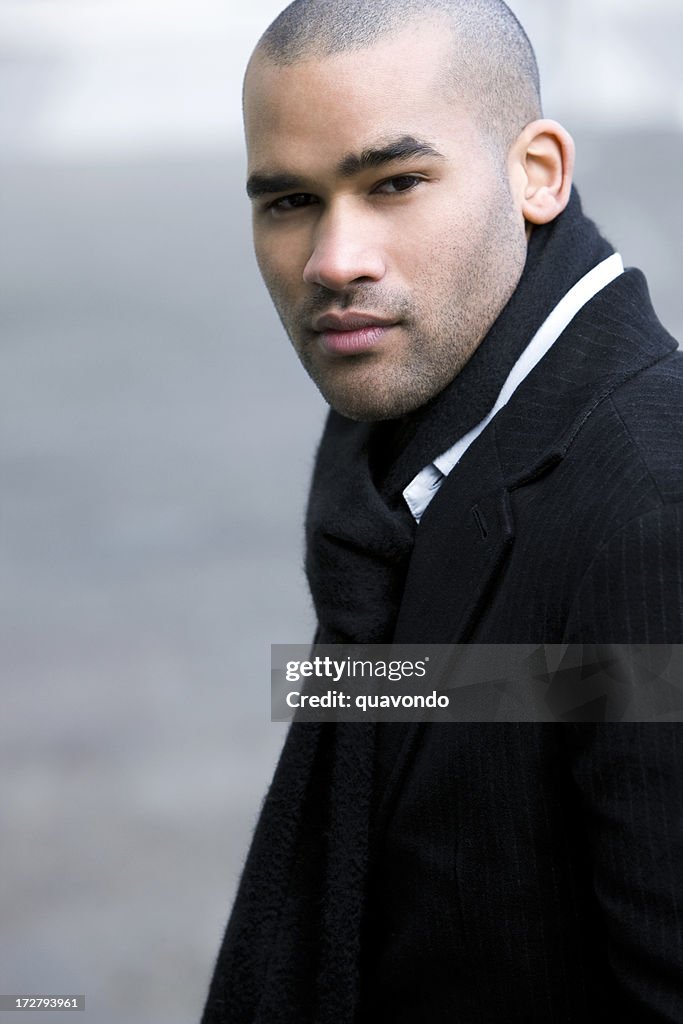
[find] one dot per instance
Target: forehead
(321, 107)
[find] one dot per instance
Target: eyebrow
(404, 148)
(268, 184)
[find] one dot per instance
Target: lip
(352, 332)
(350, 321)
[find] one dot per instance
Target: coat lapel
(447, 583)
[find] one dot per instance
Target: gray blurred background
(156, 436)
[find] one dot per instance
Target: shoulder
(648, 408)
(631, 452)
(606, 515)
(624, 403)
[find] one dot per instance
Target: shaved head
(397, 159)
(492, 66)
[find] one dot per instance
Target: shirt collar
(425, 485)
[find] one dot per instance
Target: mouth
(345, 334)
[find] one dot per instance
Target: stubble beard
(375, 385)
(435, 344)
(385, 385)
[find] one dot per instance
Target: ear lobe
(544, 158)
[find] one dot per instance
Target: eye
(286, 204)
(401, 183)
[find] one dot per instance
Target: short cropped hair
(493, 67)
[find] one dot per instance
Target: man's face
(384, 225)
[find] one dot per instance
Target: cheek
(410, 251)
(278, 279)
(281, 262)
(441, 234)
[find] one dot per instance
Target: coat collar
(468, 530)
(613, 337)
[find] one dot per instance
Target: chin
(364, 408)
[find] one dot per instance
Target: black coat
(500, 872)
(535, 872)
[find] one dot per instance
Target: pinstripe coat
(526, 872)
(500, 873)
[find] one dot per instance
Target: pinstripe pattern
(534, 873)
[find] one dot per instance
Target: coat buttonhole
(481, 522)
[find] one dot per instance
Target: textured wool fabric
(358, 528)
(512, 873)
(291, 952)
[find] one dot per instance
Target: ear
(541, 166)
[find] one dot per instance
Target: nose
(345, 251)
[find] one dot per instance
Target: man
(501, 465)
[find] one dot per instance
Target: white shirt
(424, 486)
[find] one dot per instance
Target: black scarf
(359, 530)
(292, 948)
